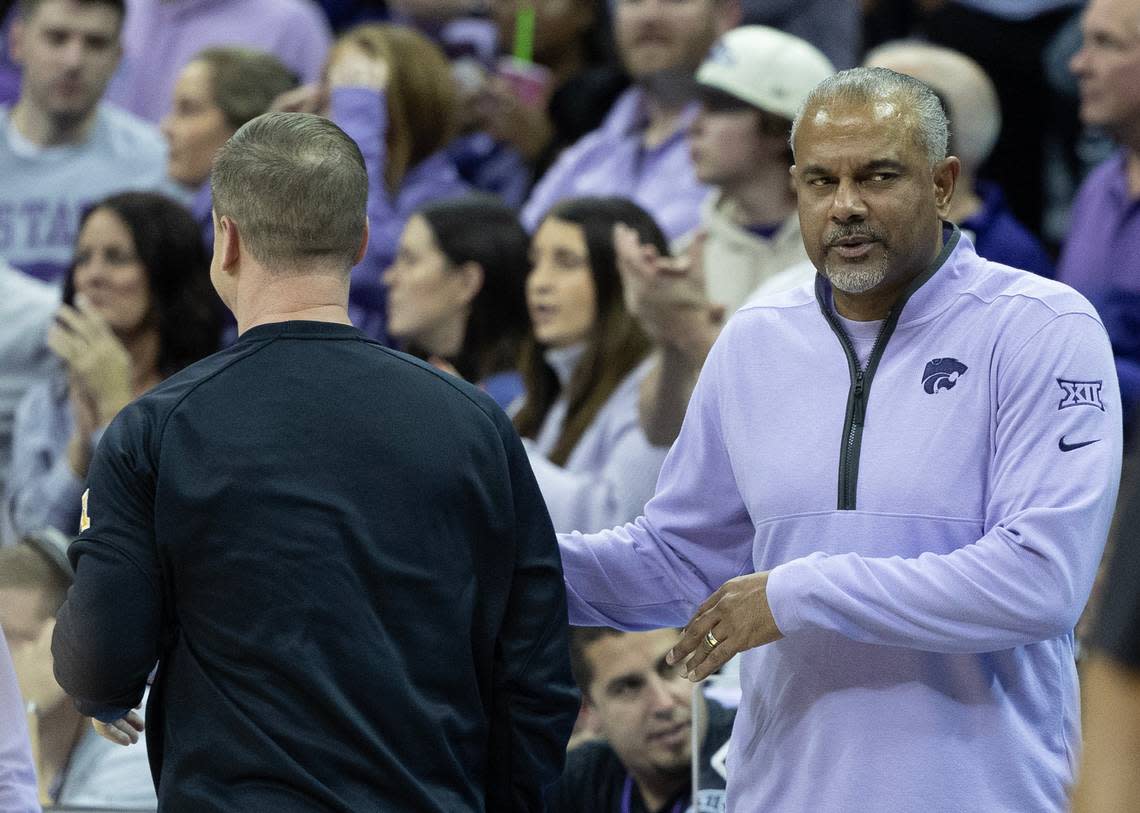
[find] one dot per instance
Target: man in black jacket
(338, 556)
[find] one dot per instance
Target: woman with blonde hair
(391, 90)
(217, 92)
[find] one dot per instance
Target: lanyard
(627, 798)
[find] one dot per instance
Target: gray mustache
(833, 237)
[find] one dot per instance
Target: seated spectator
(17, 774)
(971, 102)
(582, 366)
(26, 310)
(644, 711)
(138, 307)
(640, 149)
(162, 36)
(455, 292)
(750, 89)
(392, 91)
(833, 28)
(1008, 39)
(75, 765)
(60, 148)
(1101, 258)
(573, 48)
(216, 93)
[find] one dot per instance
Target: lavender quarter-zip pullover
(932, 522)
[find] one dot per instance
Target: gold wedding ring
(711, 640)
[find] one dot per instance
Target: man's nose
(665, 696)
(72, 52)
(848, 203)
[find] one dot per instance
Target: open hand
(98, 364)
(667, 294)
(738, 617)
(124, 731)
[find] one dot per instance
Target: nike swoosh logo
(1068, 447)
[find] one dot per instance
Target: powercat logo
(942, 374)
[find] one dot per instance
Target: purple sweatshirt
(612, 160)
(363, 114)
(927, 602)
(18, 791)
(161, 36)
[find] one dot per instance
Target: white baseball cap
(765, 67)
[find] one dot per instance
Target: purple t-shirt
(612, 160)
(161, 36)
(1102, 252)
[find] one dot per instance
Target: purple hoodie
(932, 523)
(18, 791)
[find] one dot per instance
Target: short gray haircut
(869, 85)
(296, 186)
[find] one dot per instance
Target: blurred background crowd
(567, 200)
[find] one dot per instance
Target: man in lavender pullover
(896, 486)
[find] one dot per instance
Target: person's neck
(663, 119)
(44, 130)
(60, 729)
(446, 340)
(143, 348)
(287, 297)
(658, 788)
(762, 200)
(966, 202)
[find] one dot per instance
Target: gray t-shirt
(26, 309)
(46, 189)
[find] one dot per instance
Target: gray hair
(869, 85)
(296, 186)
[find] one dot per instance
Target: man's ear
(945, 174)
(227, 242)
(360, 252)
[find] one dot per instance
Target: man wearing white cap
(749, 87)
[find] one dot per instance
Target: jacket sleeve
(18, 791)
(695, 534)
(1028, 577)
(106, 637)
(535, 701)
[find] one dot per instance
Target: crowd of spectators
(567, 200)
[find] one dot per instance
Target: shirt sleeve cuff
(788, 586)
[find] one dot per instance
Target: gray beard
(855, 279)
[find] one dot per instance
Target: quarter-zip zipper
(861, 377)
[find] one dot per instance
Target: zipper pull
(860, 405)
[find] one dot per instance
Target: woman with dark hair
(582, 368)
(137, 307)
(455, 291)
